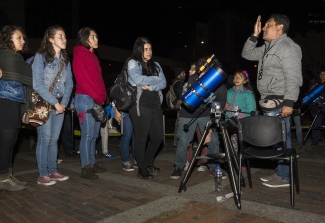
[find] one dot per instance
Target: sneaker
(243, 168)
(202, 168)
(144, 174)
(58, 177)
(108, 156)
(277, 182)
(97, 168)
(269, 177)
(128, 167)
(135, 166)
(186, 165)
(46, 181)
(176, 174)
(59, 161)
(88, 173)
(151, 168)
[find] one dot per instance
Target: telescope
(313, 94)
(204, 87)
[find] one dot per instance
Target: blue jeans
(184, 139)
(283, 166)
(47, 144)
(127, 137)
(89, 130)
(296, 120)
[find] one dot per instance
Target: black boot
(151, 168)
(143, 173)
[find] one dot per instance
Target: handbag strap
(57, 76)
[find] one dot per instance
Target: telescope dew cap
(178, 71)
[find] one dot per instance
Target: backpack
(122, 93)
(171, 99)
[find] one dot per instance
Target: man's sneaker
(176, 174)
(108, 156)
(186, 165)
(58, 177)
(135, 166)
(268, 178)
(46, 181)
(128, 167)
(202, 168)
(97, 168)
(277, 182)
(88, 173)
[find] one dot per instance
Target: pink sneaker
(46, 181)
(58, 177)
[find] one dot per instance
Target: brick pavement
(120, 196)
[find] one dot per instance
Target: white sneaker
(202, 168)
(186, 165)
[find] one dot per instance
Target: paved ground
(120, 196)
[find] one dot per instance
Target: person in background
(90, 88)
(51, 59)
(296, 119)
(15, 78)
(201, 118)
(146, 115)
(178, 84)
(104, 134)
(279, 78)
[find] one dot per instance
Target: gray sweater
(280, 60)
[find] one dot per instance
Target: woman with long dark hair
(90, 88)
(146, 115)
(16, 78)
(51, 59)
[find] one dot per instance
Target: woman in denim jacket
(146, 115)
(15, 78)
(47, 63)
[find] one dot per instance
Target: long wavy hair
(6, 34)
(149, 68)
(47, 47)
(83, 36)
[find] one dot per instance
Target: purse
(98, 113)
(42, 110)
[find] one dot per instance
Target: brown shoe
(6, 183)
(97, 168)
(88, 173)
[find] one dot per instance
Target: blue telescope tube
(312, 94)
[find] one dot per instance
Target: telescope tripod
(321, 112)
(228, 156)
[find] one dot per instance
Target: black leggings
(8, 139)
(149, 123)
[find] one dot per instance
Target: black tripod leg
(231, 170)
(182, 186)
(235, 158)
(307, 134)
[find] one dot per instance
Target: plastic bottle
(218, 178)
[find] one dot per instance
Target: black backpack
(171, 99)
(122, 93)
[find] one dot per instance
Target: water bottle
(218, 178)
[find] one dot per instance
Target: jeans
(283, 165)
(47, 144)
(184, 139)
(149, 123)
(315, 134)
(296, 120)
(127, 137)
(89, 130)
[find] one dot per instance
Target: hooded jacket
(88, 74)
